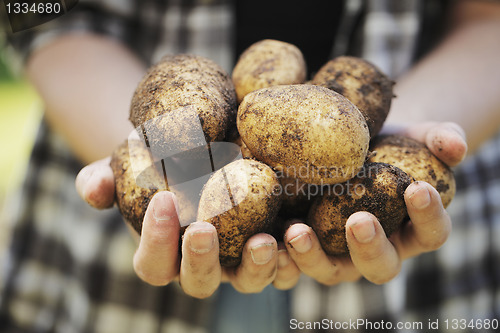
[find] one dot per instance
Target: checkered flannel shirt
(69, 266)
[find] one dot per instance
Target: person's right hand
(158, 261)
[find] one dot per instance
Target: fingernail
(363, 230)
(460, 150)
(82, 180)
(202, 241)
(456, 129)
(283, 258)
(161, 210)
(301, 243)
(420, 198)
(262, 254)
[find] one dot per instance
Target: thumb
(95, 184)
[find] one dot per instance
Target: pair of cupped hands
(280, 262)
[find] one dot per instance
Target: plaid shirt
(56, 282)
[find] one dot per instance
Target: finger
(304, 248)
(200, 272)
(371, 252)
(430, 224)
(288, 273)
(445, 140)
(258, 265)
(96, 185)
(156, 260)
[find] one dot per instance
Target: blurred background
(19, 117)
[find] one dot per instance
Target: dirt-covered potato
(194, 96)
(362, 83)
(417, 160)
(268, 63)
(304, 131)
(133, 199)
(378, 189)
(240, 200)
(137, 179)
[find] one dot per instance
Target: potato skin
(132, 199)
(268, 63)
(198, 87)
(378, 189)
(304, 131)
(240, 200)
(417, 160)
(363, 84)
(134, 189)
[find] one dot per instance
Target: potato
(363, 84)
(137, 180)
(268, 63)
(296, 195)
(378, 188)
(415, 159)
(304, 131)
(131, 198)
(240, 200)
(183, 102)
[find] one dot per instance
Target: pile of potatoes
(305, 149)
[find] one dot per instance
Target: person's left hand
(372, 254)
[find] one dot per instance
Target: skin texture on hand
(266, 260)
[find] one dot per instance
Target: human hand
(199, 271)
(370, 250)
(158, 260)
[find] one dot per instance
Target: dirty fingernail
(262, 254)
(161, 211)
(363, 230)
(421, 198)
(301, 243)
(202, 241)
